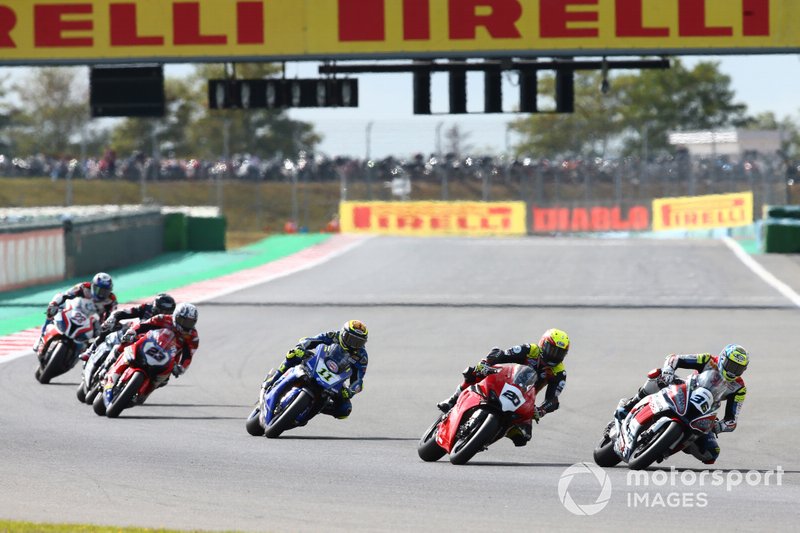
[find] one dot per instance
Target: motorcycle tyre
(658, 448)
(123, 400)
(286, 420)
(475, 442)
(253, 425)
(428, 449)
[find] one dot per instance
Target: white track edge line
(762, 272)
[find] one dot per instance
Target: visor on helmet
(732, 368)
(552, 354)
(353, 342)
(100, 293)
(185, 323)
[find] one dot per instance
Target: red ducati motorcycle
(483, 414)
(151, 356)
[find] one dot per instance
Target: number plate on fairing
(326, 375)
(154, 354)
(511, 398)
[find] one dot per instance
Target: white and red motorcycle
(66, 337)
(663, 423)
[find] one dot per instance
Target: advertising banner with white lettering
(59, 31)
(580, 219)
(703, 212)
(433, 218)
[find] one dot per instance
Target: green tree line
(47, 112)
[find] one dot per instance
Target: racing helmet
(102, 285)
(163, 304)
(353, 335)
(733, 361)
(185, 317)
(554, 345)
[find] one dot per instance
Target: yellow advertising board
(57, 31)
(703, 212)
(433, 218)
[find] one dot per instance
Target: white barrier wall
(31, 257)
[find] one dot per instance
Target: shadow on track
(524, 465)
(198, 405)
(63, 384)
(326, 437)
(157, 417)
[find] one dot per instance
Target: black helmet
(163, 304)
(353, 335)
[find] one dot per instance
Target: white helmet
(185, 316)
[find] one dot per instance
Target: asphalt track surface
(433, 306)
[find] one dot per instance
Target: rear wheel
(604, 454)
(287, 419)
(428, 449)
(657, 448)
(476, 440)
(253, 425)
(123, 399)
(81, 392)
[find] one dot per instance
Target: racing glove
(108, 325)
(667, 374)
(52, 310)
(128, 336)
(178, 370)
(295, 352)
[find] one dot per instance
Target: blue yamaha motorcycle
(300, 393)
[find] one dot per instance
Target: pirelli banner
(75, 31)
(703, 212)
(433, 218)
(583, 219)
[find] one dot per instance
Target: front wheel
(604, 455)
(123, 399)
(660, 443)
(253, 425)
(428, 449)
(288, 418)
(465, 448)
(56, 363)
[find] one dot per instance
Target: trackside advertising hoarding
(31, 257)
(64, 31)
(433, 218)
(562, 219)
(703, 212)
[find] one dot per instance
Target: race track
(433, 307)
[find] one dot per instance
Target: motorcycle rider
(352, 337)
(547, 360)
(729, 365)
(162, 304)
(99, 289)
(182, 322)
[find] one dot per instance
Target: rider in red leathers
(546, 358)
(182, 323)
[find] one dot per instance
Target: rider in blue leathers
(352, 338)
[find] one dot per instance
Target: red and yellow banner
(703, 212)
(50, 31)
(433, 218)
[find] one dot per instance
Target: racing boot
(448, 404)
(519, 434)
(625, 407)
